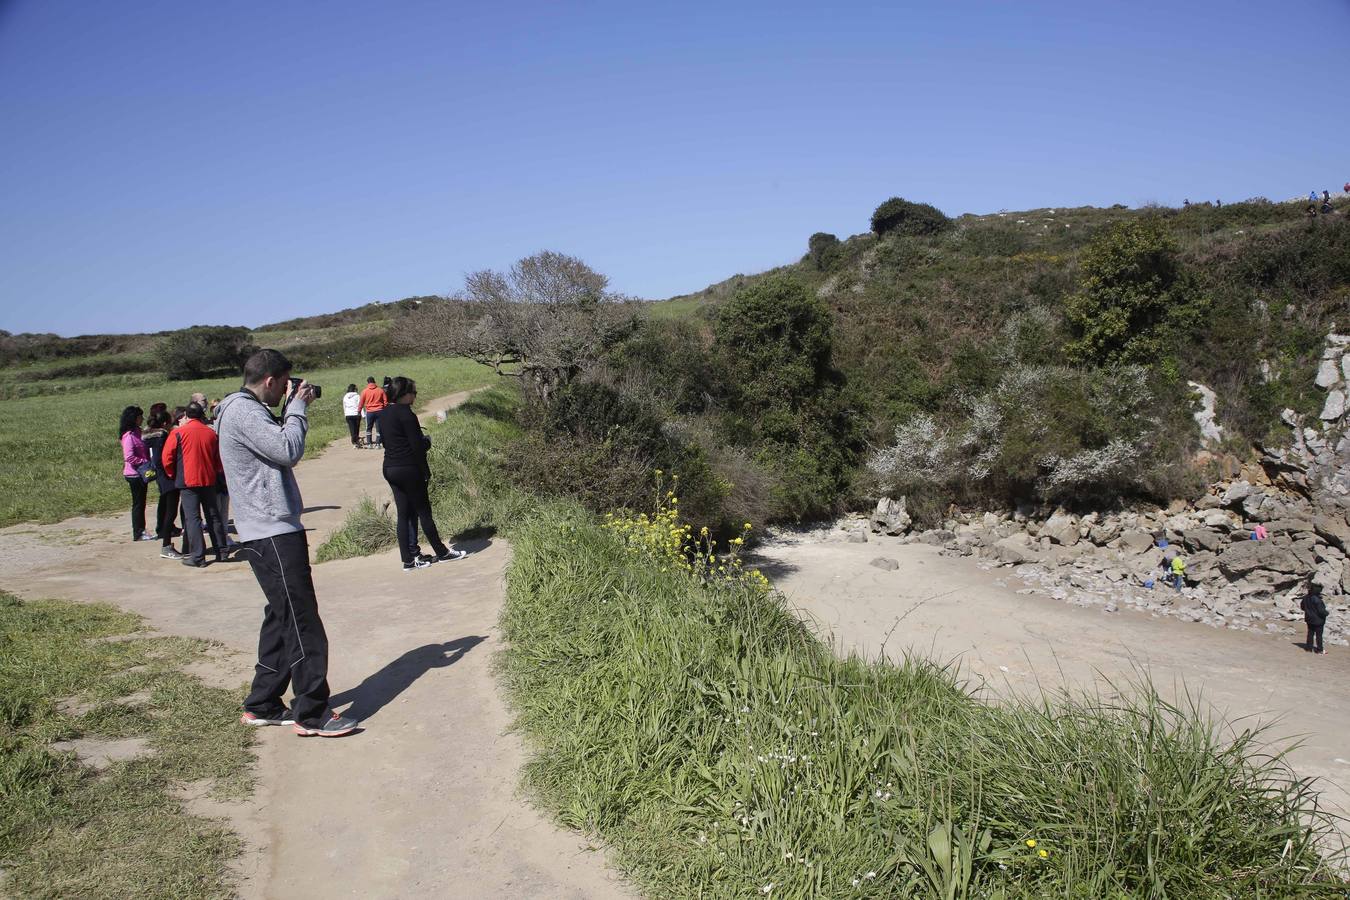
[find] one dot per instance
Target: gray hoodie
(258, 451)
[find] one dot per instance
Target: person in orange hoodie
(192, 460)
(373, 402)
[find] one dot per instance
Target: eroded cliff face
(1316, 464)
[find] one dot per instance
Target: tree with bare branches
(546, 320)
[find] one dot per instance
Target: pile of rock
(1113, 560)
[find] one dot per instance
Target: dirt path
(423, 802)
(951, 608)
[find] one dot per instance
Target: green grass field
(72, 670)
(61, 456)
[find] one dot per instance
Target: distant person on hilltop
(136, 468)
(1315, 617)
(372, 402)
(406, 470)
(351, 410)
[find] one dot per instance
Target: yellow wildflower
(1031, 842)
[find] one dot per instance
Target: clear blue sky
(165, 163)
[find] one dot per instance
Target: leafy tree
(1134, 298)
(547, 320)
(901, 216)
(774, 342)
(205, 349)
(823, 250)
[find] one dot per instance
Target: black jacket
(404, 444)
(154, 442)
(1314, 609)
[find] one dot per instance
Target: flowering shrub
(671, 543)
(1051, 431)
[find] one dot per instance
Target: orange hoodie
(372, 398)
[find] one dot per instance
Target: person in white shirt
(351, 409)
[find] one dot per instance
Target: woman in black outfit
(167, 511)
(406, 470)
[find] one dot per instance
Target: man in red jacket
(192, 460)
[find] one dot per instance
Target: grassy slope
(61, 454)
(68, 832)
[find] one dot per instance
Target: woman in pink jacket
(136, 459)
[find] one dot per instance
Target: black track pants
(292, 645)
(410, 497)
(138, 491)
(1315, 633)
(196, 503)
(165, 513)
(354, 427)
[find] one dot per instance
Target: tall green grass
(59, 454)
(724, 751)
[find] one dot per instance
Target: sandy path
(423, 802)
(953, 609)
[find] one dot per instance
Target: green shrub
(721, 750)
(823, 250)
(899, 216)
(784, 398)
(1135, 301)
(204, 350)
(367, 529)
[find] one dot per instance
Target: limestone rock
(1328, 373)
(1012, 551)
(1201, 539)
(1335, 406)
(1135, 542)
(883, 562)
(1247, 557)
(891, 517)
(1210, 431)
(1236, 493)
(857, 537)
(1061, 528)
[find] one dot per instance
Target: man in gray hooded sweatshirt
(259, 451)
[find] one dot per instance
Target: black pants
(165, 513)
(223, 508)
(198, 502)
(412, 502)
(292, 645)
(372, 422)
(1315, 632)
(354, 426)
(138, 491)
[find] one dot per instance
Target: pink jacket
(134, 452)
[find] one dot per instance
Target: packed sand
(953, 609)
(423, 802)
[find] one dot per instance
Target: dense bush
(783, 395)
(900, 216)
(205, 350)
(1135, 301)
(823, 250)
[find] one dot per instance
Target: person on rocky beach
(1315, 616)
(1178, 571)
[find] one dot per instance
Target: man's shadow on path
(379, 689)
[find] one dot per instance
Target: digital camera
(295, 386)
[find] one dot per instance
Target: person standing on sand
(260, 452)
(1315, 617)
(1178, 572)
(372, 402)
(406, 470)
(135, 468)
(351, 411)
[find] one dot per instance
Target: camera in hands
(295, 386)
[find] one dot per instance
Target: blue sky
(170, 163)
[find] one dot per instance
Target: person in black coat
(406, 470)
(167, 511)
(1315, 615)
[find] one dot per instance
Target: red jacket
(200, 454)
